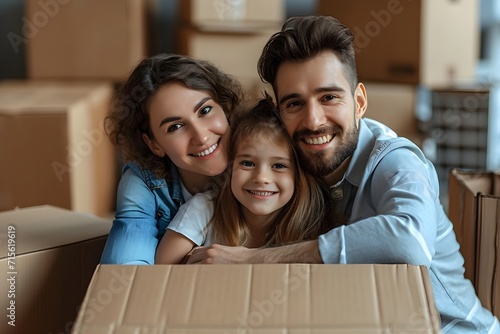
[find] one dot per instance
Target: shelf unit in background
(464, 130)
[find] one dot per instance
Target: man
(382, 184)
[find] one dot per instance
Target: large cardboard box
(85, 39)
(474, 209)
(53, 146)
(47, 258)
(429, 42)
(234, 48)
(202, 12)
(265, 298)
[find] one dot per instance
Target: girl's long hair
(305, 214)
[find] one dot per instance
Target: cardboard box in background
(85, 39)
(202, 12)
(56, 253)
(54, 147)
(474, 209)
(394, 105)
(429, 42)
(265, 298)
(233, 48)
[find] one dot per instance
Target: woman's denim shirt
(145, 205)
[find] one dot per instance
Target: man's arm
(302, 252)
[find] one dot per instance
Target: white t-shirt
(193, 217)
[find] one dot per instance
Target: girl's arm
(186, 230)
(173, 248)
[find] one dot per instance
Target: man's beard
(321, 163)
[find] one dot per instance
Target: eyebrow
(253, 156)
(316, 91)
(176, 118)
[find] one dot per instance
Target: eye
(327, 98)
(174, 127)
(205, 110)
(279, 166)
(293, 104)
(247, 163)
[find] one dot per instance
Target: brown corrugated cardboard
(419, 42)
(265, 298)
(462, 212)
(254, 87)
(235, 48)
(47, 258)
(85, 39)
(54, 146)
(202, 12)
(394, 105)
(474, 209)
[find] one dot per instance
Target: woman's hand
(302, 252)
(218, 254)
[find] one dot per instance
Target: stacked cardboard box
(474, 200)
(202, 12)
(85, 39)
(52, 134)
(425, 42)
(47, 259)
(232, 48)
(279, 298)
(394, 105)
(53, 143)
(231, 34)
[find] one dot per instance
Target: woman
(169, 123)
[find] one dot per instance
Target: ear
(361, 100)
(153, 146)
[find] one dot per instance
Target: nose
(262, 176)
(200, 135)
(315, 116)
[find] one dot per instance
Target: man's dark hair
(302, 38)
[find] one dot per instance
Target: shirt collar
(357, 165)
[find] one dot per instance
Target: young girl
(267, 200)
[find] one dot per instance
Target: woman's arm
(173, 248)
(134, 236)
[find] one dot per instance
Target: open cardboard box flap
(474, 209)
(264, 298)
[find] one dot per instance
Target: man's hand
(302, 252)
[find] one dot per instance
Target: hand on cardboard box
(187, 256)
(301, 252)
(218, 254)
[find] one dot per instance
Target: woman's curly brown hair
(129, 115)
